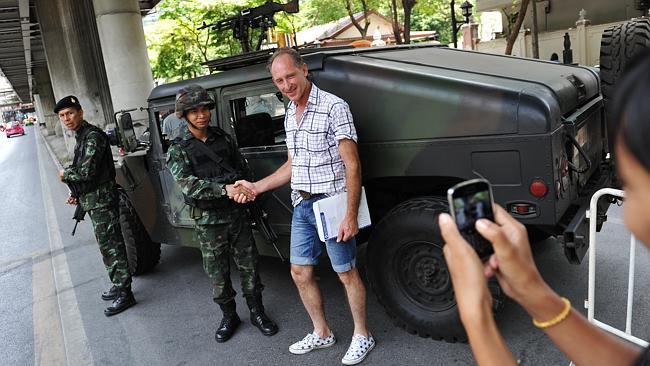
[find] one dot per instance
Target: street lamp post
(466, 9)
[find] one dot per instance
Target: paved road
(51, 310)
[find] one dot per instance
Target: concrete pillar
(119, 25)
(44, 99)
(75, 62)
(470, 36)
(581, 47)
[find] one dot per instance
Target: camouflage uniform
(224, 231)
(101, 203)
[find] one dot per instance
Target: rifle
(257, 17)
(79, 212)
(261, 222)
(258, 216)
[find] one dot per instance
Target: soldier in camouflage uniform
(205, 163)
(91, 177)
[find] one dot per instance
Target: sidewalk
(57, 146)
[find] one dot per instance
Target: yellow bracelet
(560, 317)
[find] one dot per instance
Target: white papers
(330, 212)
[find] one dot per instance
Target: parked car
(13, 129)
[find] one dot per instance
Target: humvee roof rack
(256, 57)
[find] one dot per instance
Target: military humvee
(427, 118)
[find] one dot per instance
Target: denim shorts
(306, 246)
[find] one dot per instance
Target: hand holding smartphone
(470, 201)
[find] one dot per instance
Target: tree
(289, 24)
(396, 28)
(514, 32)
(177, 49)
(407, 5)
(362, 30)
(316, 12)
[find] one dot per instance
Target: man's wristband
(558, 318)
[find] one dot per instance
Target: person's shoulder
(330, 101)
(179, 143)
(216, 130)
(94, 132)
(184, 137)
(172, 118)
(326, 97)
(175, 151)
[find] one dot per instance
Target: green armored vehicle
(427, 118)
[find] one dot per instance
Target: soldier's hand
(72, 201)
(239, 194)
(61, 175)
(246, 189)
(251, 188)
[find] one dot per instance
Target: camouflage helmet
(191, 97)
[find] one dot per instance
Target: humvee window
(258, 120)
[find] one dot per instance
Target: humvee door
(255, 118)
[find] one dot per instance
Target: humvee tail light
(538, 188)
(522, 209)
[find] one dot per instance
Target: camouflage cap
(190, 97)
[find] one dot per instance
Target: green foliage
(435, 15)
(177, 49)
(316, 12)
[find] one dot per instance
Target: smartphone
(469, 201)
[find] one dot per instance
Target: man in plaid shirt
(322, 161)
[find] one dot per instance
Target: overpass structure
(94, 49)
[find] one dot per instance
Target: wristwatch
(224, 192)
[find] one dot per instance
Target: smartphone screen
(469, 201)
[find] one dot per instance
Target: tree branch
(517, 26)
(362, 30)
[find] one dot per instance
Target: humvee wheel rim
(422, 275)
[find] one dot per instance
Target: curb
(50, 151)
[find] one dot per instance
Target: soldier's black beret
(67, 102)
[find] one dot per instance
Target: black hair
(631, 109)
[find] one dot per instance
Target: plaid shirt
(316, 165)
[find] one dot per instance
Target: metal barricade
(592, 214)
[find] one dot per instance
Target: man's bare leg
(356, 291)
(303, 277)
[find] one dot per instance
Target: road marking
(49, 348)
(74, 343)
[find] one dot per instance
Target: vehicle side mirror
(113, 137)
(125, 124)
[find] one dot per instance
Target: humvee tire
(618, 46)
(408, 273)
(142, 253)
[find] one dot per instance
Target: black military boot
(229, 323)
(111, 293)
(259, 318)
(123, 301)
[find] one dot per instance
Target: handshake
(242, 191)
